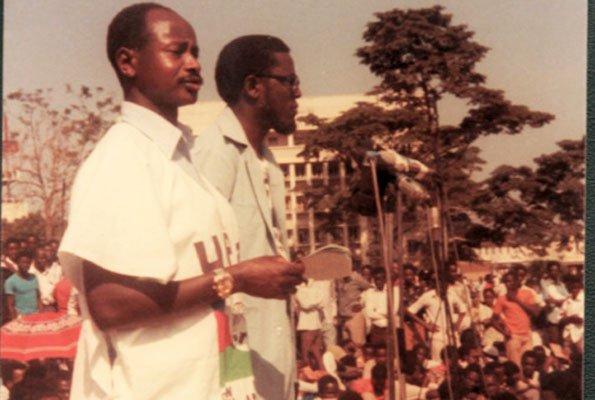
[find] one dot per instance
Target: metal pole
(389, 292)
(400, 329)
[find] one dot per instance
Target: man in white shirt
(435, 317)
(256, 78)
(48, 275)
(375, 306)
(150, 245)
(554, 293)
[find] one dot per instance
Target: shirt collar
(162, 132)
(231, 127)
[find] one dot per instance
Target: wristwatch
(222, 283)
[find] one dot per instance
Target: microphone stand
(392, 350)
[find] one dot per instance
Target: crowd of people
(33, 285)
(513, 334)
(510, 334)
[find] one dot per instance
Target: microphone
(395, 162)
(413, 189)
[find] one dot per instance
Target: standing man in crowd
(515, 309)
(151, 246)
(256, 78)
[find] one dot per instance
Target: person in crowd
(483, 315)
(256, 77)
(8, 266)
(31, 242)
(12, 373)
(48, 275)
(329, 311)
(350, 308)
(528, 386)
(146, 302)
(573, 315)
(515, 309)
(66, 297)
(366, 273)
(555, 293)
(22, 288)
(308, 299)
(349, 395)
(435, 317)
(375, 307)
(328, 388)
(8, 258)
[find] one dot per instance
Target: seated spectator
(380, 357)
(12, 373)
(379, 385)
(328, 388)
(561, 385)
(349, 395)
(347, 369)
(528, 386)
(22, 288)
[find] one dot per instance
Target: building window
(317, 169)
(300, 170)
(303, 236)
(333, 168)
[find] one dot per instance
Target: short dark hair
(378, 271)
(244, 56)
(128, 29)
(529, 354)
(325, 380)
(25, 253)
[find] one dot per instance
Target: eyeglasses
(292, 80)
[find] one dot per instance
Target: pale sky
(538, 51)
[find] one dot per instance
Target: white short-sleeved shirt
(138, 209)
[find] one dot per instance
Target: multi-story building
(302, 222)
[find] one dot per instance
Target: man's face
(522, 274)
(41, 260)
(488, 297)
(379, 280)
(380, 355)
(529, 365)
(167, 73)
(511, 283)
(24, 262)
(32, 241)
(472, 379)
(554, 271)
(280, 97)
(12, 250)
(408, 274)
(492, 387)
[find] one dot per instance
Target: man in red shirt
(514, 310)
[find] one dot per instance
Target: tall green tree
(422, 59)
(54, 132)
(537, 207)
